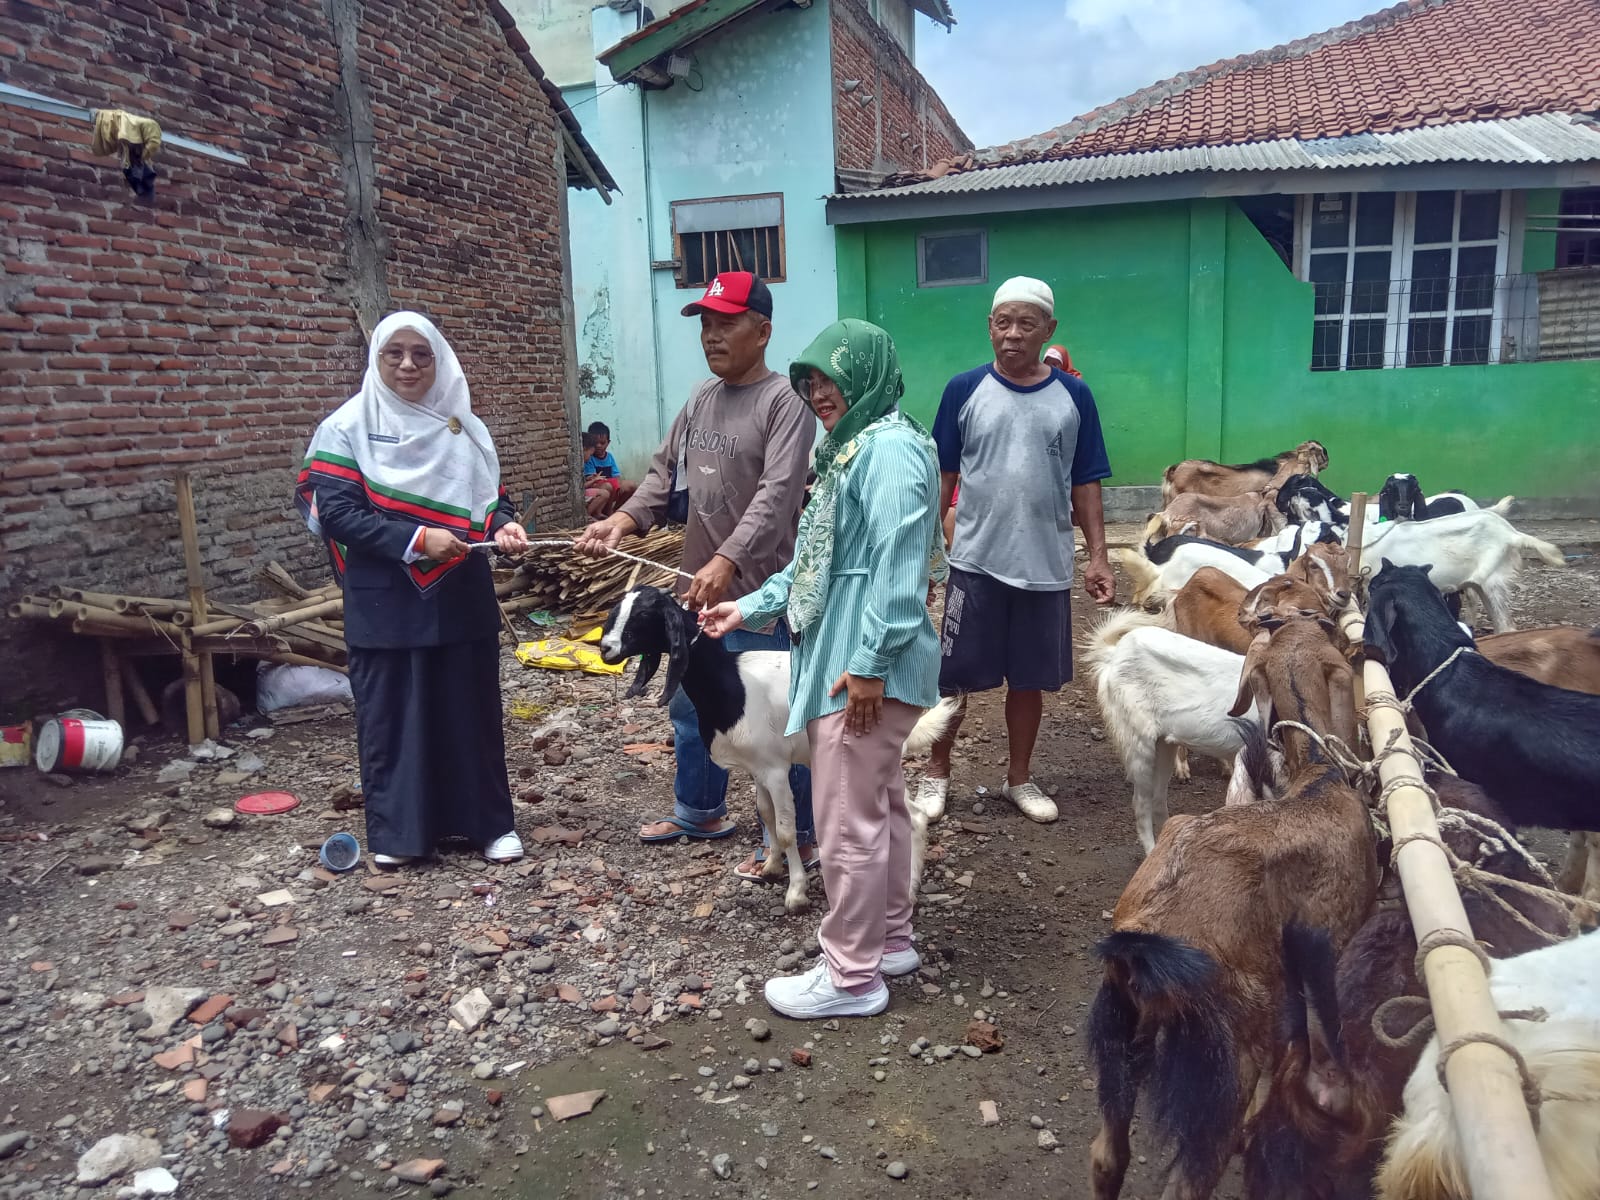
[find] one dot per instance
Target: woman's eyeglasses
(419, 358)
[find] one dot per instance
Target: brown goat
(1194, 972)
(1326, 567)
(1207, 478)
(1563, 656)
(1319, 1133)
(1212, 605)
(1231, 519)
(1294, 663)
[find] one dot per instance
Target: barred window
(729, 233)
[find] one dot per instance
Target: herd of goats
(1261, 980)
(1260, 957)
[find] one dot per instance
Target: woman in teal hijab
(866, 658)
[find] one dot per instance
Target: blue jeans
(700, 788)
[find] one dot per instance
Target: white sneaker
(900, 962)
(1035, 805)
(931, 795)
(814, 994)
(504, 849)
(394, 860)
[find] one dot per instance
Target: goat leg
(776, 802)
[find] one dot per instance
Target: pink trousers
(858, 793)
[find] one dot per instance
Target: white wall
(558, 32)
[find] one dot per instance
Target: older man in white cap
(1022, 438)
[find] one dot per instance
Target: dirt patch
(602, 930)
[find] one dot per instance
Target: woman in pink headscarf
(1058, 358)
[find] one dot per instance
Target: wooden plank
(111, 665)
(203, 695)
(141, 695)
(1498, 1146)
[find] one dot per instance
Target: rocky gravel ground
(191, 1004)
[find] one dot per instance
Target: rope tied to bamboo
(1419, 752)
(1488, 885)
(1532, 1095)
(1390, 700)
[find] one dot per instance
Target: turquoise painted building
(725, 124)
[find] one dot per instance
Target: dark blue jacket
(384, 609)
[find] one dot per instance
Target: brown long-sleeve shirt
(748, 452)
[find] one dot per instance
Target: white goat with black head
(741, 699)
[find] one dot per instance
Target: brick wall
(211, 328)
(892, 120)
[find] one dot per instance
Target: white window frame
(1402, 245)
(966, 281)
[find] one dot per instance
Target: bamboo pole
(112, 666)
(200, 688)
(262, 626)
(1498, 1145)
(31, 608)
(141, 695)
(100, 621)
(1358, 594)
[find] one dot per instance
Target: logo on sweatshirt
(1054, 448)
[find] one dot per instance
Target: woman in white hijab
(403, 483)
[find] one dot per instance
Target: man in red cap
(733, 468)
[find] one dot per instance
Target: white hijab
(434, 456)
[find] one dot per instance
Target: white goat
(1563, 1054)
(1479, 551)
(1154, 582)
(1159, 691)
(742, 701)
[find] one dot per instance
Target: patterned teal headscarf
(860, 359)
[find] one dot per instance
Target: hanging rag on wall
(136, 139)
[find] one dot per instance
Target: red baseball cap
(733, 292)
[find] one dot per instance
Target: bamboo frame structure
(1498, 1144)
(200, 683)
(303, 626)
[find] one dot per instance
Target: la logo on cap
(715, 289)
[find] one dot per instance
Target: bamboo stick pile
(299, 625)
(557, 579)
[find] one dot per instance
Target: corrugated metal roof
(1546, 138)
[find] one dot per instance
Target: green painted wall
(1195, 338)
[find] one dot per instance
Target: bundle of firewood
(560, 580)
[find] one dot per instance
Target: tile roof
(1423, 62)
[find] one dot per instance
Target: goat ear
(677, 653)
(641, 679)
(1252, 676)
(1378, 634)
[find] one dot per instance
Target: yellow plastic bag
(593, 636)
(563, 654)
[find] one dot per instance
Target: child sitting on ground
(604, 489)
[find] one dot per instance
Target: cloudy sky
(1066, 57)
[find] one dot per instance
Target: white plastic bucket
(78, 744)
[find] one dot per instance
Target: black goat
(741, 699)
(1306, 498)
(1534, 748)
(1401, 499)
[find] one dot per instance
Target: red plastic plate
(268, 804)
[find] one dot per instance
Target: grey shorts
(995, 633)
